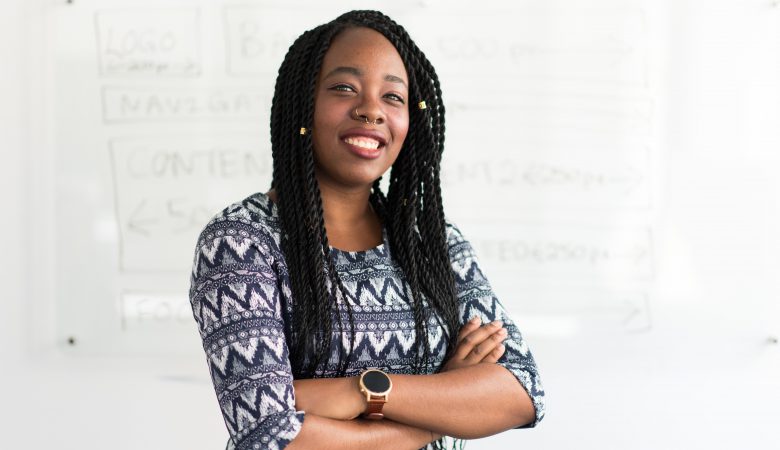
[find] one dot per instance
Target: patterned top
(241, 298)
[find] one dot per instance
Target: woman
(298, 292)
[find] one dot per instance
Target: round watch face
(376, 381)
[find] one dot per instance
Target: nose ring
(364, 118)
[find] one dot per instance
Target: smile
(363, 142)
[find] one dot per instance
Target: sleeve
(476, 298)
(235, 299)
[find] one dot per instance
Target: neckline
(377, 249)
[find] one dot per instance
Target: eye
(395, 97)
(341, 87)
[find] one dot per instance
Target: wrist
(375, 385)
(357, 399)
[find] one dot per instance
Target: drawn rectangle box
(600, 45)
(144, 310)
(257, 38)
(124, 104)
(562, 253)
(560, 312)
(541, 182)
(149, 42)
(168, 187)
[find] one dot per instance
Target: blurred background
(613, 162)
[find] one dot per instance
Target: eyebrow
(359, 73)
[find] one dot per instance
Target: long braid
(295, 241)
(411, 189)
(426, 137)
(309, 196)
(282, 142)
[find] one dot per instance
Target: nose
(369, 112)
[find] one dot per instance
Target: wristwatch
(376, 386)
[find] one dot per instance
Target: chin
(362, 182)
(359, 179)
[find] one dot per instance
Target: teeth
(363, 142)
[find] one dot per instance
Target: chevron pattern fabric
(241, 299)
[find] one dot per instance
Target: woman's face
(361, 71)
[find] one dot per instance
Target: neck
(344, 208)
(350, 221)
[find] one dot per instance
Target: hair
(412, 211)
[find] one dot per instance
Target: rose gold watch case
(364, 389)
(375, 400)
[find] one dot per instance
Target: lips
(368, 139)
(367, 144)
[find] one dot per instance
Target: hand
(477, 344)
(334, 398)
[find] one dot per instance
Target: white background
(613, 162)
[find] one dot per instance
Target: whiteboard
(608, 159)
(548, 166)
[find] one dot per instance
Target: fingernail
(497, 323)
(474, 319)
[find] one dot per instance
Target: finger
(484, 348)
(495, 355)
(476, 337)
(470, 326)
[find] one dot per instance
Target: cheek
(323, 113)
(401, 129)
(323, 120)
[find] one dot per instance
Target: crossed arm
(473, 397)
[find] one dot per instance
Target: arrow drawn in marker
(139, 225)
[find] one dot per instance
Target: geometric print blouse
(241, 298)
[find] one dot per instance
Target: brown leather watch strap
(374, 408)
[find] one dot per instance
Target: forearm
(467, 403)
(326, 434)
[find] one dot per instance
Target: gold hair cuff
(303, 131)
(422, 105)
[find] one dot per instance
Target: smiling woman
(334, 316)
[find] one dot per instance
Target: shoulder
(254, 218)
(245, 233)
(457, 245)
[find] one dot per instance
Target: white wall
(704, 375)
(13, 134)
